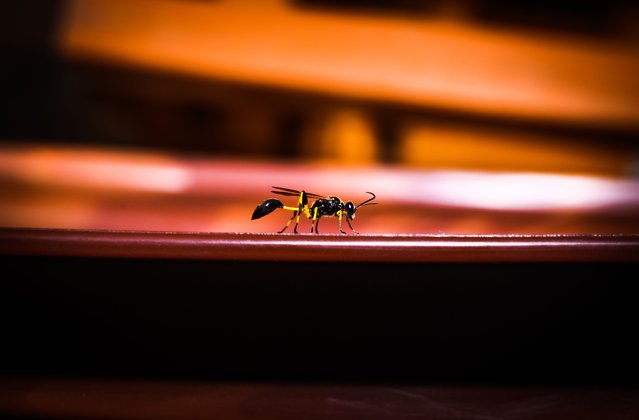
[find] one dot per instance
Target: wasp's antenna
(366, 203)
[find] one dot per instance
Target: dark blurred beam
(422, 63)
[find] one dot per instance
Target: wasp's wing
(291, 192)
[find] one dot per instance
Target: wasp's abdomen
(266, 207)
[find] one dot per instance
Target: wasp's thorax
(329, 206)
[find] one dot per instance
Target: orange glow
(432, 145)
(345, 136)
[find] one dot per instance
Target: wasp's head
(350, 208)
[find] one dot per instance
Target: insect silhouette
(322, 206)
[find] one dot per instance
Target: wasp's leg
(315, 222)
(339, 218)
(289, 222)
(350, 226)
(302, 205)
(315, 225)
(297, 220)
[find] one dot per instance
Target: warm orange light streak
(526, 191)
(125, 171)
(96, 169)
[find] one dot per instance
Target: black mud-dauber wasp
(322, 206)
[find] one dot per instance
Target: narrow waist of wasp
(305, 210)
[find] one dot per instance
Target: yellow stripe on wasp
(322, 206)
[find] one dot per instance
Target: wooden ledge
(311, 247)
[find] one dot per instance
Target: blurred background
(463, 116)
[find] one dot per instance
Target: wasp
(322, 206)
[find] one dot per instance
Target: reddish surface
(300, 247)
